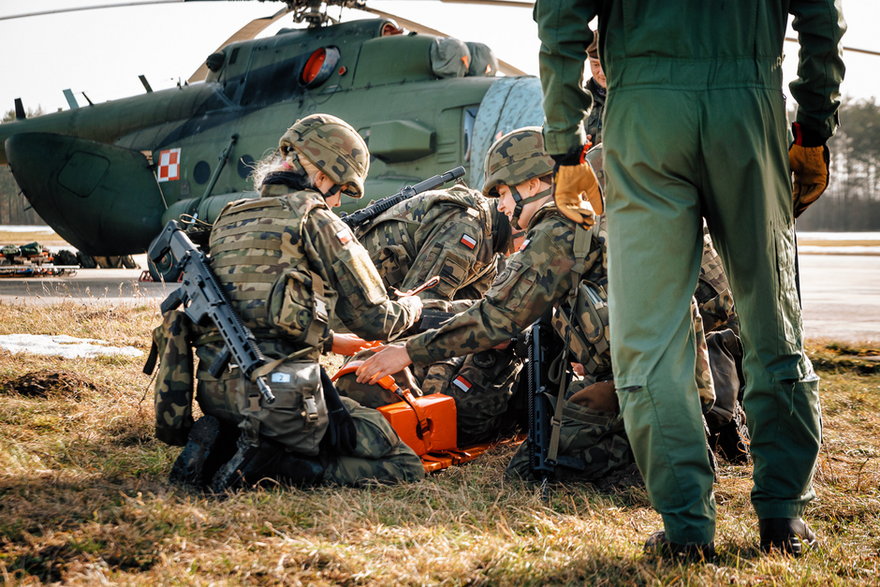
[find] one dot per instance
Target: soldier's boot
(251, 464)
(190, 467)
(300, 471)
(660, 546)
(245, 466)
(787, 535)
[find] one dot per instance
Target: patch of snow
(27, 228)
(62, 345)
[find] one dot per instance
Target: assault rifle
(202, 297)
(543, 348)
(363, 215)
(540, 410)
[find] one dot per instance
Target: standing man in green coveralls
(697, 128)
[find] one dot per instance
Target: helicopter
(107, 177)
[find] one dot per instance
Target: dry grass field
(84, 498)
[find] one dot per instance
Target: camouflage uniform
(288, 264)
(447, 233)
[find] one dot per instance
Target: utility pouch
(299, 305)
(298, 417)
(172, 344)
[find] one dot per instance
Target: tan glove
(577, 193)
(809, 168)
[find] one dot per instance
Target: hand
(388, 361)
(809, 158)
(349, 344)
(577, 192)
(598, 396)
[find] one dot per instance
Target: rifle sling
(582, 240)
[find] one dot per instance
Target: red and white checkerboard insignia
(344, 236)
(169, 165)
(462, 383)
(468, 241)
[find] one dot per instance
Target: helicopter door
(510, 103)
(100, 198)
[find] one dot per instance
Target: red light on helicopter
(319, 66)
(313, 66)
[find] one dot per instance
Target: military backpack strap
(582, 240)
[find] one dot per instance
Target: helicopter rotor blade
(96, 7)
(505, 67)
(511, 3)
(245, 33)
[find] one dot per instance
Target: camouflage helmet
(514, 158)
(334, 147)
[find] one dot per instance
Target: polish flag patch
(344, 236)
(524, 245)
(468, 241)
(169, 165)
(462, 383)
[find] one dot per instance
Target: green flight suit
(695, 125)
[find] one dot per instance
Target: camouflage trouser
(481, 384)
(595, 440)
(378, 456)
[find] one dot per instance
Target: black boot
(189, 468)
(300, 471)
(658, 545)
(247, 466)
(787, 535)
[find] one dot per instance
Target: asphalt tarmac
(841, 293)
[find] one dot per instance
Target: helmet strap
(521, 201)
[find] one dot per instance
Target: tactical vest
(587, 308)
(395, 229)
(258, 255)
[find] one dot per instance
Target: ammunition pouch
(298, 307)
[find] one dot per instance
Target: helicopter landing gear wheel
(166, 270)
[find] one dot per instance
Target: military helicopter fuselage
(108, 176)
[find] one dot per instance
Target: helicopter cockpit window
(450, 57)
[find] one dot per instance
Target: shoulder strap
(582, 240)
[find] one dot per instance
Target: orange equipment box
(429, 425)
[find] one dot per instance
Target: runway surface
(841, 293)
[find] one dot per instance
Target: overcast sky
(101, 52)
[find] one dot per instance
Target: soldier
(544, 274)
(598, 89)
(703, 82)
(287, 263)
(455, 234)
(538, 276)
(458, 235)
